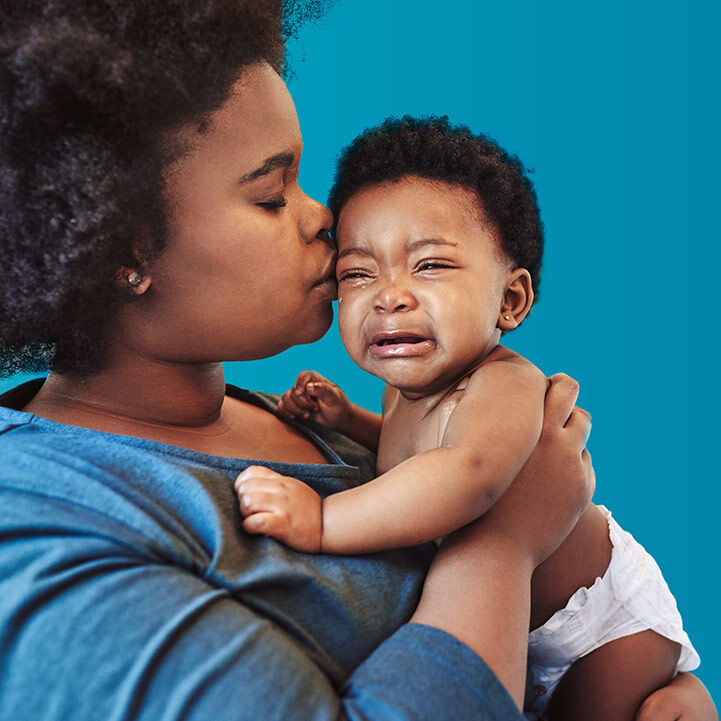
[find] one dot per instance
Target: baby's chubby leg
(610, 683)
(581, 558)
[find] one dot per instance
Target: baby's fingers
(255, 473)
(324, 392)
(266, 523)
(255, 501)
(289, 406)
(305, 377)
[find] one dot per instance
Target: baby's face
(421, 282)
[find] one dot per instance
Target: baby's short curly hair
(432, 148)
(89, 90)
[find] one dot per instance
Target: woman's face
(245, 273)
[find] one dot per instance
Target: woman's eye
(273, 205)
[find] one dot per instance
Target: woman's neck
(136, 390)
(179, 404)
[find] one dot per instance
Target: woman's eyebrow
(281, 160)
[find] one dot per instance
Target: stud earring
(134, 279)
(507, 317)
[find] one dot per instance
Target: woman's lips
(327, 282)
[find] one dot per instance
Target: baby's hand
(316, 398)
(281, 507)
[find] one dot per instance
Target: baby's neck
(435, 392)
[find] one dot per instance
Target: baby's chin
(411, 384)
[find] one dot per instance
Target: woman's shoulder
(338, 448)
(78, 481)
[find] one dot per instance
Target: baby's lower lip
(402, 348)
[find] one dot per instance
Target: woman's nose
(316, 222)
(394, 297)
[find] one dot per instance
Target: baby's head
(439, 250)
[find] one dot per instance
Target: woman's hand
(684, 698)
(542, 505)
(280, 506)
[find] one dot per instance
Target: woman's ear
(131, 280)
(135, 277)
(517, 300)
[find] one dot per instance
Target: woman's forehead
(257, 122)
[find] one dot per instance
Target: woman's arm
(103, 634)
(478, 588)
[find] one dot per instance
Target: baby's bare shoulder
(503, 364)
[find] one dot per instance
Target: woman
(153, 227)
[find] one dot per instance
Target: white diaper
(630, 597)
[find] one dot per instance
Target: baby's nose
(394, 298)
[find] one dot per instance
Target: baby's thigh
(581, 559)
(610, 683)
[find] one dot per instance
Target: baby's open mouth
(401, 339)
(400, 344)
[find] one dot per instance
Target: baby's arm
(315, 397)
(488, 439)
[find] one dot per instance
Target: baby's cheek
(350, 328)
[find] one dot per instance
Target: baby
(439, 252)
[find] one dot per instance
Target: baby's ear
(517, 300)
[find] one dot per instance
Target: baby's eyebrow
(355, 250)
(412, 245)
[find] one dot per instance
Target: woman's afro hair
(88, 91)
(432, 148)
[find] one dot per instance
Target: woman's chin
(322, 322)
(304, 331)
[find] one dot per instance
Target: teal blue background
(616, 107)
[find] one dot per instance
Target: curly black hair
(88, 91)
(431, 147)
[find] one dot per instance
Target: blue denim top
(129, 590)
